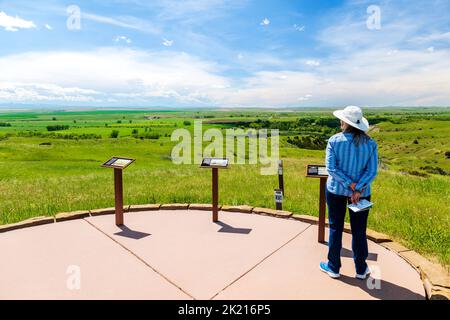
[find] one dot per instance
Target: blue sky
(225, 53)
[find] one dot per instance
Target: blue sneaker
(324, 267)
(364, 275)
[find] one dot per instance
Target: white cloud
(410, 77)
(48, 27)
(265, 22)
(299, 27)
(130, 76)
(14, 23)
(430, 49)
(312, 63)
(167, 43)
(26, 92)
(306, 97)
(436, 36)
(123, 38)
(128, 22)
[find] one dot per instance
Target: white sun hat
(353, 116)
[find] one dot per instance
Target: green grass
(66, 175)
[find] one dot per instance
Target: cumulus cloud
(11, 23)
(127, 75)
(136, 77)
(312, 63)
(265, 22)
(299, 28)
(38, 92)
(306, 97)
(48, 27)
(167, 43)
(123, 39)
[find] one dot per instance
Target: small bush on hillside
(57, 127)
(114, 134)
(417, 173)
(5, 124)
(435, 170)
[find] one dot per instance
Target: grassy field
(44, 172)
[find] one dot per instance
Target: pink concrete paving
(181, 254)
(35, 263)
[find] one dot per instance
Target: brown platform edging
(174, 206)
(201, 206)
(239, 208)
(144, 207)
(272, 212)
(37, 221)
(435, 278)
(65, 216)
(105, 211)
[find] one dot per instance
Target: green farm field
(50, 162)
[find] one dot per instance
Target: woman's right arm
(371, 169)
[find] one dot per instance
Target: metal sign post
(215, 164)
(280, 176)
(320, 171)
(118, 164)
(278, 199)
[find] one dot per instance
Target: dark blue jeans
(337, 207)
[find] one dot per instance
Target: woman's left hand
(355, 196)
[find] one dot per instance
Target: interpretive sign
(314, 170)
(319, 171)
(215, 164)
(118, 164)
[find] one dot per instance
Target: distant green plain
(45, 172)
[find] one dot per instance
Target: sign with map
(313, 170)
(118, 163)
(214, 163)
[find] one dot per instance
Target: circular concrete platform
(181, 254)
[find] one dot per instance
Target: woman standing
(352, 163)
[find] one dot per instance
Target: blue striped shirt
(347, 163)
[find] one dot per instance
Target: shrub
(114, 134)
(435, 170)
(417, 173)
(186, 122)
(416, 141)
(447, 154)
(153, 136)
(135, 131)
(5, 124)
(308, 142)
(57, 127)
